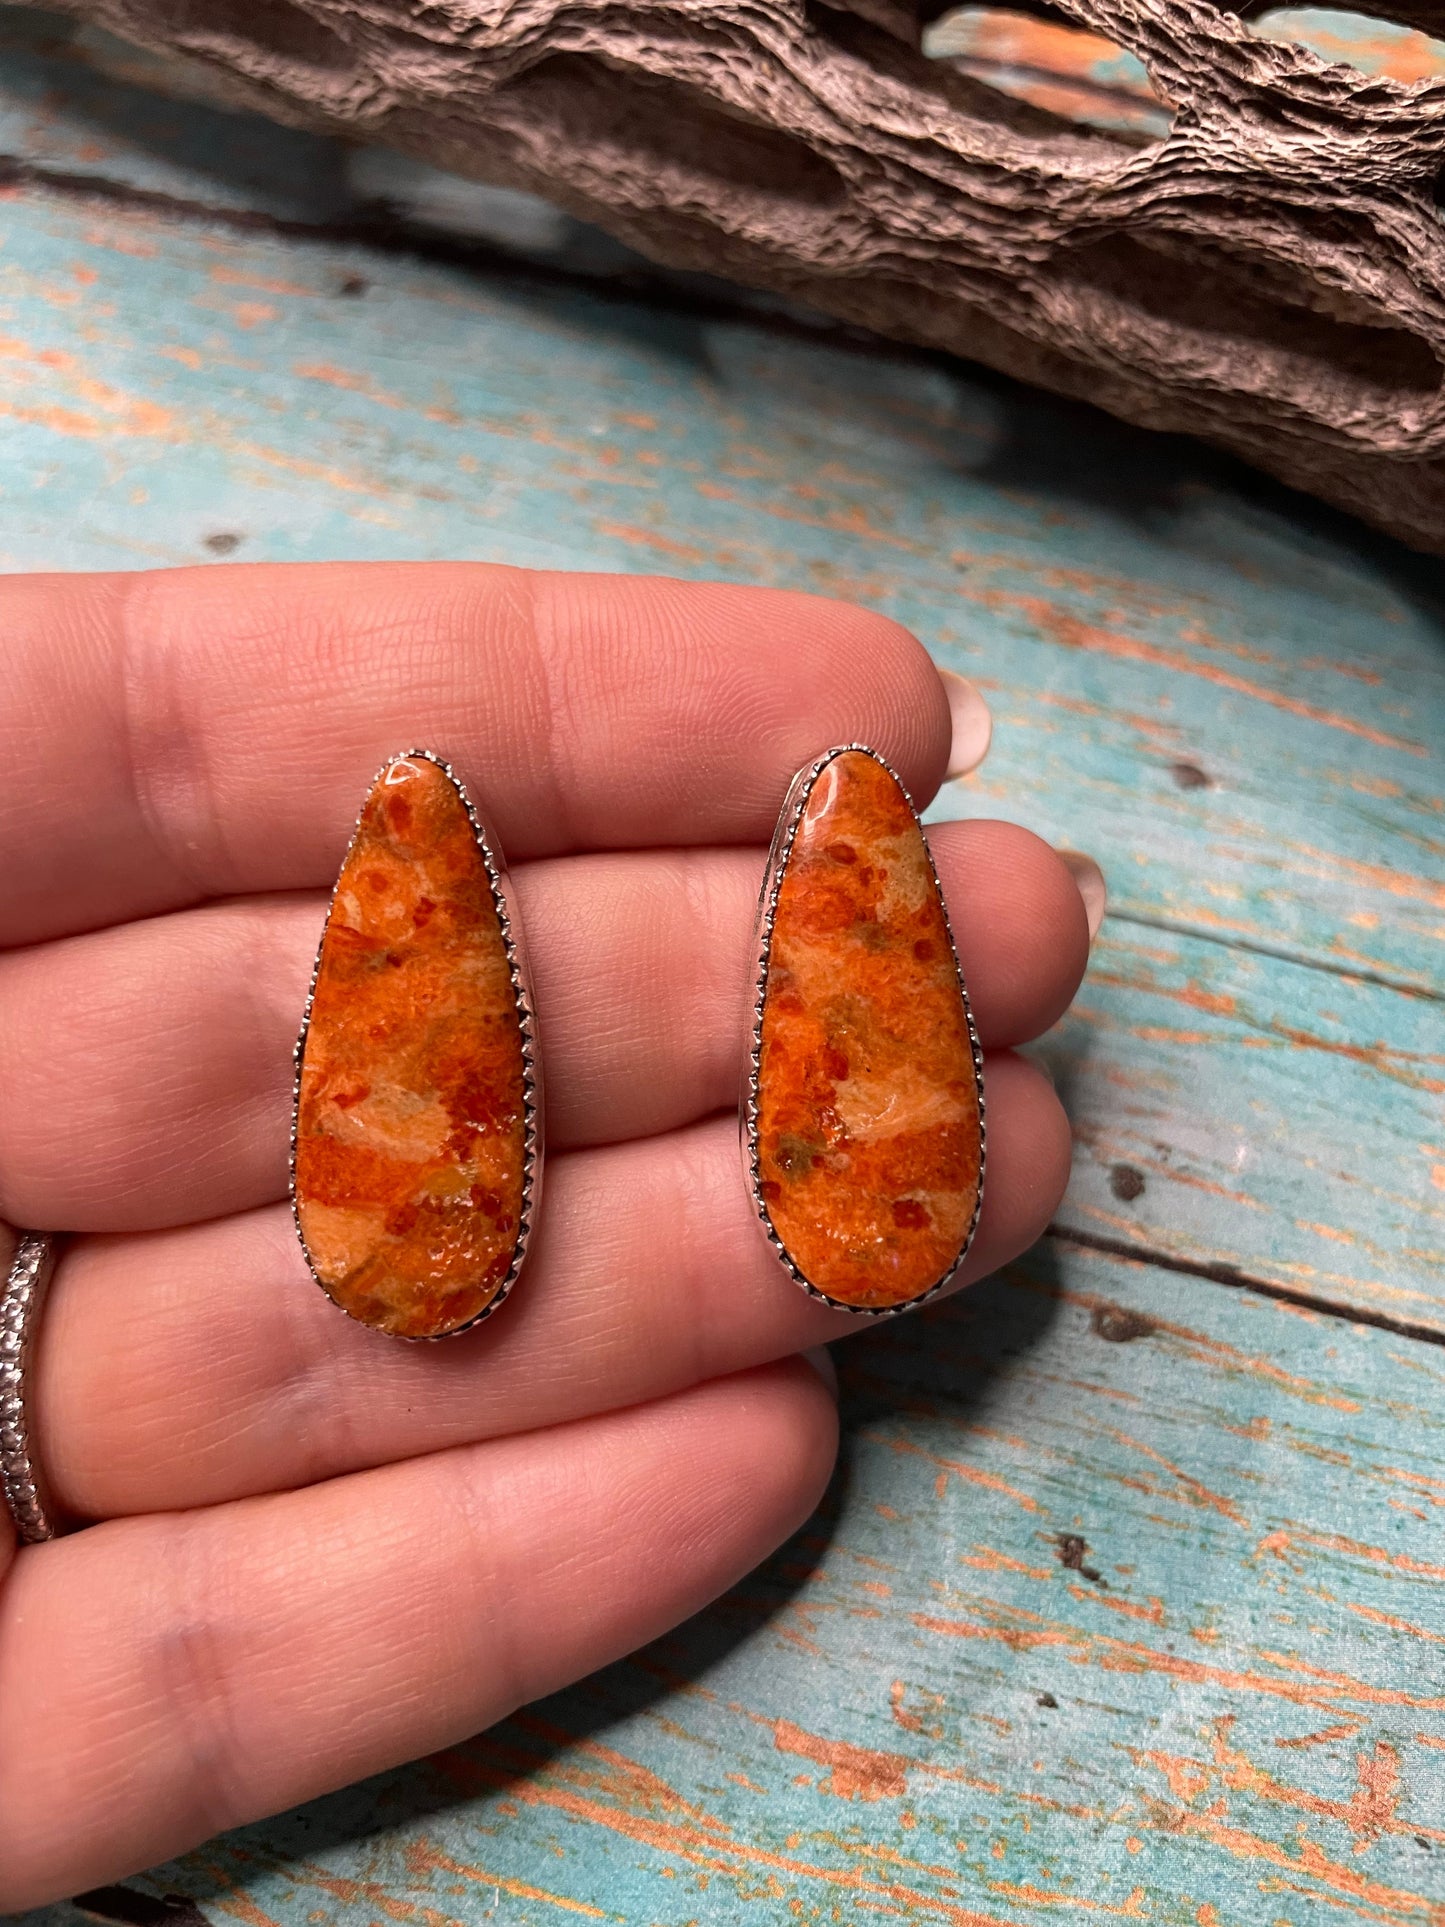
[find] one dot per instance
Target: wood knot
(1069, 1550)
(1119, 1325)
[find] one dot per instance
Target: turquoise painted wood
(1278, 926)
(1217, 1097)
(76, 102)
(1127, 1603)
(1236, 701)
(1289, 659)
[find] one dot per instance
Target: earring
(862, 1115)
(416, 1144)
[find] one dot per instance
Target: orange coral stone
(411, 1116)
(868, 1141)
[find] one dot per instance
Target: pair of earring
(416, 1148)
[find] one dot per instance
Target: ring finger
(147, 1075)
(186, 1367)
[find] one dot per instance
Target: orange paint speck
(1071, 633)
(855, 1772)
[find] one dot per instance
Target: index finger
(196, 733)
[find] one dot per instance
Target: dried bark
(1271, 276)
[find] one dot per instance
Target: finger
(148, 1075)
(196, 733)
(8, 1535)
(187, 1367)
(166, 1678)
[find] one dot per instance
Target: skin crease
(160, 1050)
(254, 1469)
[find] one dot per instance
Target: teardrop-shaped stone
(412, 1158)
(865, 1117)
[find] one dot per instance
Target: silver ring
(20, 1303)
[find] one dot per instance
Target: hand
(312, 1551)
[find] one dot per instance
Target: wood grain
(1276, 921)
(1267, 275)
(1202, 1522)
(1213, 1094)
(1127, 1604)
(1305, 661)
(85, 106)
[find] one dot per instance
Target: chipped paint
(999, 1746)
(916, 1712)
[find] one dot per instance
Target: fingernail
(1092, 887)
(972, 724)
(821, 1360)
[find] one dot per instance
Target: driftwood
(1269, 276)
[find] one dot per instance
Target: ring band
(20, 1302)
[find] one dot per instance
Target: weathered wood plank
(1235, 701)
(1127, 1603)
(1237, 1110)
(77, 102)
(171, 393)
(79, 106)
(1143, 623)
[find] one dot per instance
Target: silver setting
(790, 816)
(20, 1302)
(504, 901)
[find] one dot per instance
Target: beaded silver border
(789, 817)
(20, 1303)
(503, 898)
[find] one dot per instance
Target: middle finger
(146, 1079)
(186, 1367)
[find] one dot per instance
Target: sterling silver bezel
(790, 816)
(28, 1272)
(504, 900)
